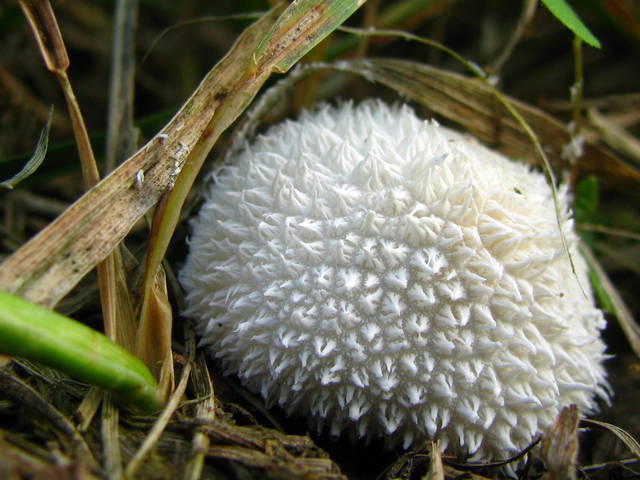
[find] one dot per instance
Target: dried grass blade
(110, 438)
(153, 344)
(301, 26)
(114, 294)
(473, 105)
(624, 436)
(153, 341)
(47, 33)
(615, 136)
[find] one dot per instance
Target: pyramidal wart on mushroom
(386, 276)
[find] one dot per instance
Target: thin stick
(159, 425)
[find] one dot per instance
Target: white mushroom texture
(384, 275)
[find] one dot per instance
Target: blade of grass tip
(563, 12)
(36, 159)
(45, 29)
(300, 28)
(30, 331)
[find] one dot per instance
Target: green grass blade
(31, 331)
(36, 159)
(563, 12)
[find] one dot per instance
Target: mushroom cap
(384, 275)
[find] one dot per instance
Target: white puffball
(382, 274)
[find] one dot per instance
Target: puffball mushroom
(387, 276)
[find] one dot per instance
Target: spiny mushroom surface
(387, 276)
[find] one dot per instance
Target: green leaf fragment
(586, 199)
(563, 12)
(605, 301)
(31, 331)
(36, 159)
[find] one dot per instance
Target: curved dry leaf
(624, 436)
(472, 104)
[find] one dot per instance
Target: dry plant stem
(578, 86)
(50, 264)
(121, 135)
(369, 20)
(23, 394)
(90, 173)
(608, 231)
(526, 15)
(111, 268)
(205, 412)
(160, 424)
(615, 136)
(88, 408)
(625, 437)
(110, 438)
